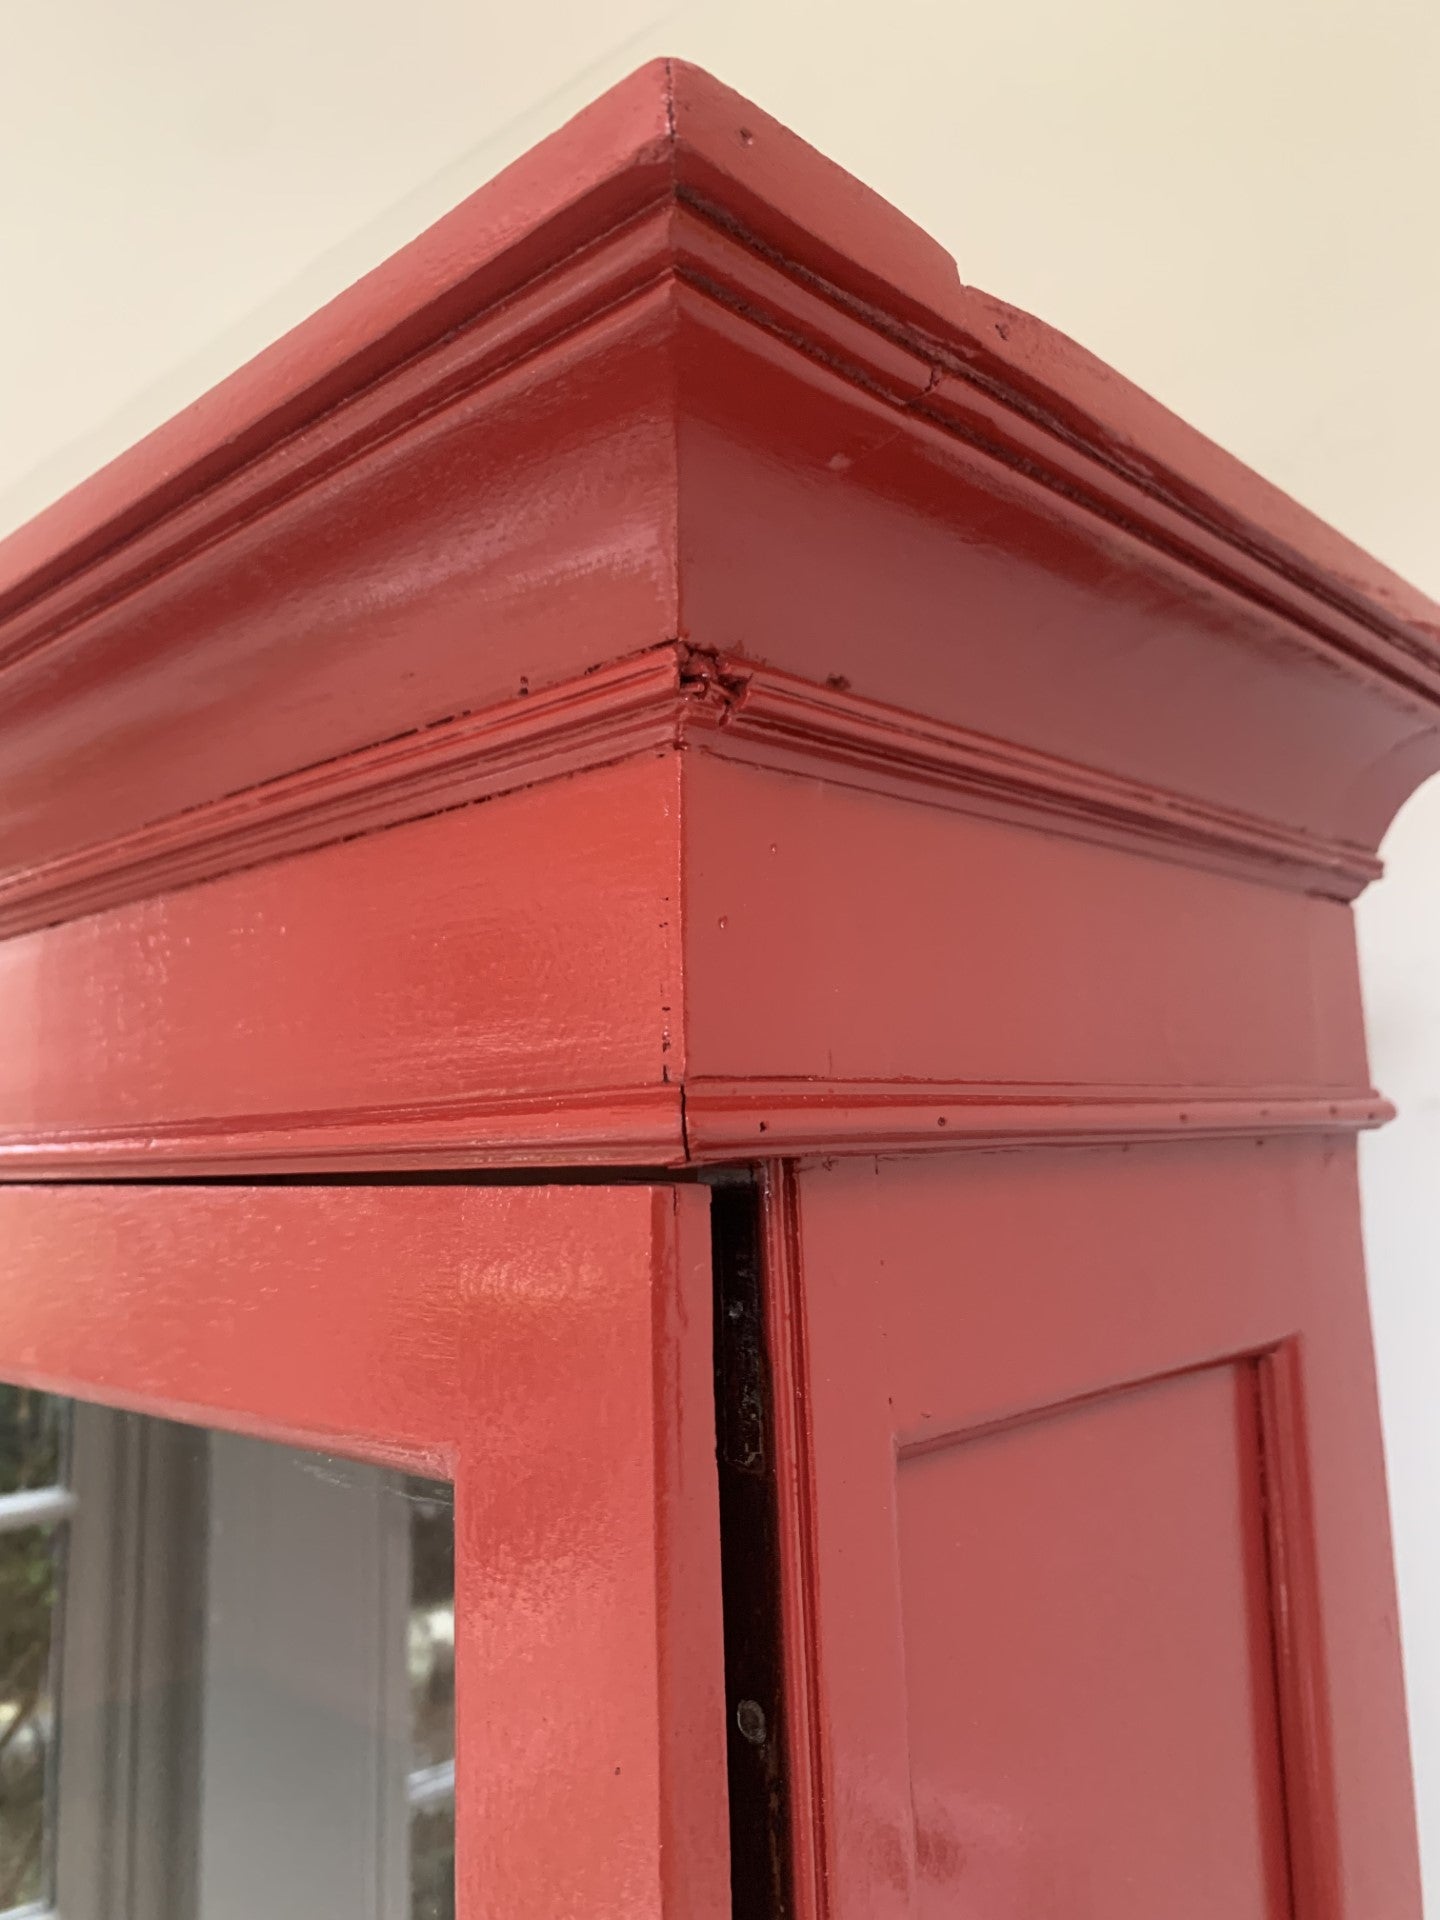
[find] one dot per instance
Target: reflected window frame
(123, 1795)
(45, 1506)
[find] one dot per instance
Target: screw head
(750, 1719)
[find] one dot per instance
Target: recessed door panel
(1089, 1592)
(1089, 1662)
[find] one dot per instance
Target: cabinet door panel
(547, 1349)
(1090, 1684)
(1091, 1605)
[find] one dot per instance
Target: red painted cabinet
(545, 1350)
(681, 872)
(1097, 1506)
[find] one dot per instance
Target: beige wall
(1235, 203)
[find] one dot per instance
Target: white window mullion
(431, 1786)
(35, 1507)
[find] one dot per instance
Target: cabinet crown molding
(671, 203)
(748, 691)
(672, 136)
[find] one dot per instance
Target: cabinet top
(675, 389)
(899, 728)
(672, 133)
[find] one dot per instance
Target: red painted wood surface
(1092, 1581)
(661, 672)
(676, 441)
(1124, 1745)
(837, 533)
(904, 928)
(490, 983)
(677, 375)
(414, 574)
(549, 1349)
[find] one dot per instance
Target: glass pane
(432, 1862)
(255, 1708)
(28, 1582)
(432, 1700)
(30, 1435)
(432, 1623)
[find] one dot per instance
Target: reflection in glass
(34, 1506)
(255, 1707)
(431, 1785)
(28, 1579)
(32, 1427)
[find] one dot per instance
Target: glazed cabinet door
(359, 1554)
(1092, 1605)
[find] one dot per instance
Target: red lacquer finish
(662, 675)
(549, 1350)
(1094, 1521)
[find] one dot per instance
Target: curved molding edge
(777, 720)
(708, 1121)
(609, 1126)
(667, 698)
(672, 230)
(743, 1119)
(581, 724)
